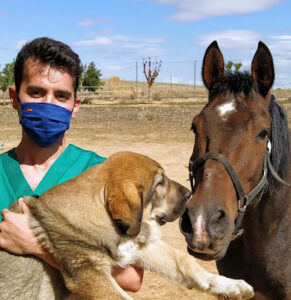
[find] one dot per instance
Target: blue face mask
(43, 122)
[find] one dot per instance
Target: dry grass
(115, 89)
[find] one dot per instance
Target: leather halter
(243, 199)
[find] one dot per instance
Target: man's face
(42, 83)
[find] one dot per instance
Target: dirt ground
(159, 130)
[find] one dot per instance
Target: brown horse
(239, 212)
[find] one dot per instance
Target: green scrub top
(69, 164)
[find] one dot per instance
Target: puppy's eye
(162, 181)
(263, 134)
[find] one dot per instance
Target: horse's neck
(276, 202)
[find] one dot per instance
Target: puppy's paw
(220, 285)
(233, 289)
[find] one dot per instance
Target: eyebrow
(66, 93)
(34, 87)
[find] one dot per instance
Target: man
(46, 80)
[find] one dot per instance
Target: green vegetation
(90, 78)
(7, 76)
(229, 66)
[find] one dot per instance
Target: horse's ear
(125, 207)
(263, 69)
(213, 65)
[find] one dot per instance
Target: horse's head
(234, 124)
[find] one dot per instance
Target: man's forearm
(48, 258)
(129, 279)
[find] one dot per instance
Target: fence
(179, 80)
(125, 90)
(176, 80)
(131, 90)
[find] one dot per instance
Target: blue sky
(116, 34)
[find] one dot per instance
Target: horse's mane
(234, 83)
(280, 142)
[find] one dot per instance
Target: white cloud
(20, 44)
(97, 41)
(238, 39)
(281, 51)
(119, 40)
(281, 37)
(247, 40)
(89, 21)
(191, 10)
(141, 46)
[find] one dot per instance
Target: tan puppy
(106, 216)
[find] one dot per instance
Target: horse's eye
(263, 134)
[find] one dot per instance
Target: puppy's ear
(124, 204)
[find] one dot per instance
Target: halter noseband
(243, 199)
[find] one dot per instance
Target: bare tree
(151, 71)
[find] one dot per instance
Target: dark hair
(235, 83)
(48, 51)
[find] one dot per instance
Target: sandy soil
(161, 131)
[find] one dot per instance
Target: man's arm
(17, 237)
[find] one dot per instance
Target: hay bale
(114, 82)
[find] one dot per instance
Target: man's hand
(129, 279)
(17, 237)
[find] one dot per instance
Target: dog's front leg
(181, 267)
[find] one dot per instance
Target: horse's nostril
(218, 216)
(221, 215)
(219, 224)
(185, 224)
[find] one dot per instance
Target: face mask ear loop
(19, 101)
